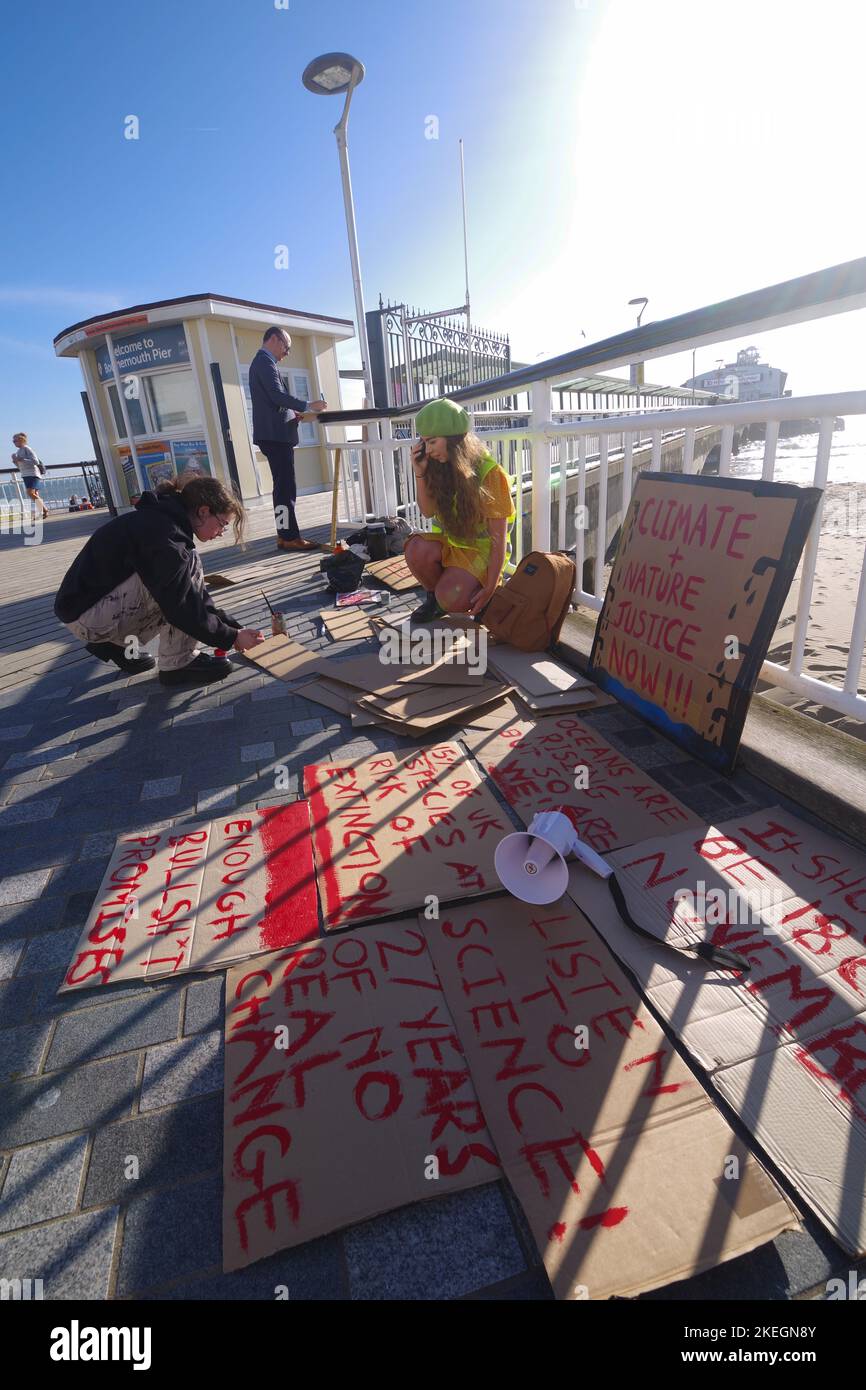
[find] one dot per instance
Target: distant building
(747, 379)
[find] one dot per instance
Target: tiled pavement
(96, 1088)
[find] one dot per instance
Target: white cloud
(52, 297)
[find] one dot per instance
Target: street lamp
(330, 75)
(636, 372)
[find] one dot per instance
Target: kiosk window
(172, 399)
(136, 415)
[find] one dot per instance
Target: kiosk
(166, 391)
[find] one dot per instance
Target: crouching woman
(467, 493)
(140, 576)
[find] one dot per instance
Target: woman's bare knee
(455, 590)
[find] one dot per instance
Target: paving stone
(256, 752)
(77, 909)
(690, 774)
(20, 888)
(438, 1249)
(218, 715)
(42, 1182)
(182, 1142)
(99, 845)
(275, 690)
(16, 1000)
(52, 1105)
(301, 727)
(9, 732)
(21, 776)
(21, 1050)
(27, 812)
(313, 1271)
(216, 799)
(35, 758)
(35, 915)
(72, 1257)
(47, 952)
(170, 1234)
(204, 1005)
(112, 1028)
(159, 787)
(727, 793)
(79, 876)
(177, 1071)
(10, 954)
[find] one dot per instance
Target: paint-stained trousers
(130, 610)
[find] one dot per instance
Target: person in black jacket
(140, 575)
(275, 432)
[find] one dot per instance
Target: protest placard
(392, 831)
(198, 897)
(346, 1091)
(785, 1044)
(562, 764)
(628, 1174)
(701, 572)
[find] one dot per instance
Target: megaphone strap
(713, 955)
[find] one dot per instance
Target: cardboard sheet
(392, 830)
(332, 694)
(785, 1045)
(368, 1097)
(619, 1158)
(366, 672)
(287, 660)
(200, 897)
(538, 765)
(394, 572)
(347, 624)
(703, 567)
(534, 673)
(428, 706)
(219, 581)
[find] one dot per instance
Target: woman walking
(30, 467)
(460, 562)
(139, 575)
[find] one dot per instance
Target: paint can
(278, 623)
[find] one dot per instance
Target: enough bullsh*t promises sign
(697, 586)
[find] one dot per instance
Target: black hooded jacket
(156, 542)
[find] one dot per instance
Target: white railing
(552, 460)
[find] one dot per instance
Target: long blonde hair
(456, 487)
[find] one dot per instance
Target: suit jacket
(272, 403)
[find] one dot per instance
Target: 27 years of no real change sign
(697, 586)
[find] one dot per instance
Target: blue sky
(613, 148)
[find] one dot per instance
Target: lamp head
(332, 73)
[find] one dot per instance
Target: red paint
(611, 1217)
(557, 1232)
(291, 914)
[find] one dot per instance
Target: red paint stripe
(315, 776)
(291, 915)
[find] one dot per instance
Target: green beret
(441, 418)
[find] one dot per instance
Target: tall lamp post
(637, 368)
(331, 75)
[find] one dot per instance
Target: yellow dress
(474, 555)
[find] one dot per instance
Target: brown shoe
(299, 544)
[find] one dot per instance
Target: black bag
(397, 532)
(342, 572)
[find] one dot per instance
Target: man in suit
(275, 432)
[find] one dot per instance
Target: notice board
(394, 830)
(198, 897)
(621, 1161)
(785, 1044)
(697, 586)
(347, 1092)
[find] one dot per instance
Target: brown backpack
(530, 607)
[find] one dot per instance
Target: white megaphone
(531, 863)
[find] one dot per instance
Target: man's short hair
(269, 333)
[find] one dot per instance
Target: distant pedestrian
(275, 432)
(31, 468)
